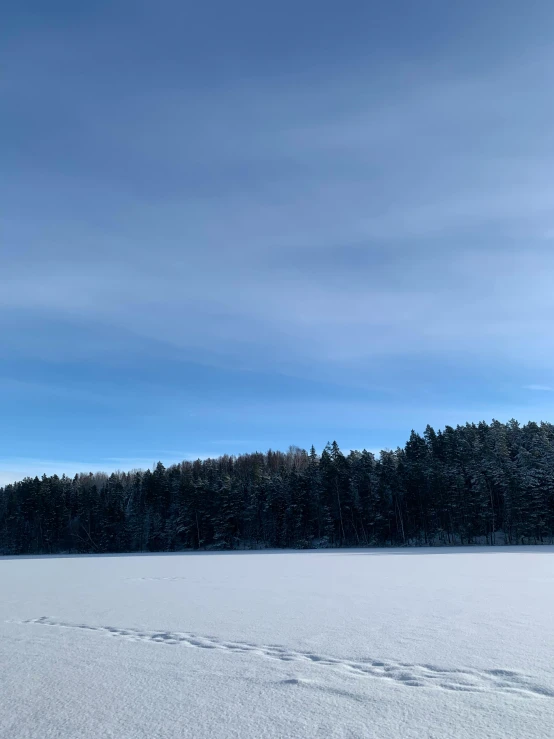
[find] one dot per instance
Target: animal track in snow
(409, 674)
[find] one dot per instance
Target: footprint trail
(409, 674)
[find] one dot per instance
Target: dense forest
(478, 483)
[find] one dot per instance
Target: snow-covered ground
(429, 644)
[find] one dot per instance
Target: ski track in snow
(409, 674)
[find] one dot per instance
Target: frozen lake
(419, 644)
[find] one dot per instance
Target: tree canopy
(478, 483)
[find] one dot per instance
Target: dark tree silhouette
(476, 483)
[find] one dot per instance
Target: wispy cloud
(540, 388)
(354, 207)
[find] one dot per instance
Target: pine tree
(461, 485)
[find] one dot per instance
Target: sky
(228, 227)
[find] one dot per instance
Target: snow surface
(426, 644)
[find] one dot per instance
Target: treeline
(471, 484)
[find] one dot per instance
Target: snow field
(360, 643)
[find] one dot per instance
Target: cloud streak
(321, 215)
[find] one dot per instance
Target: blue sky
(234, 226)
